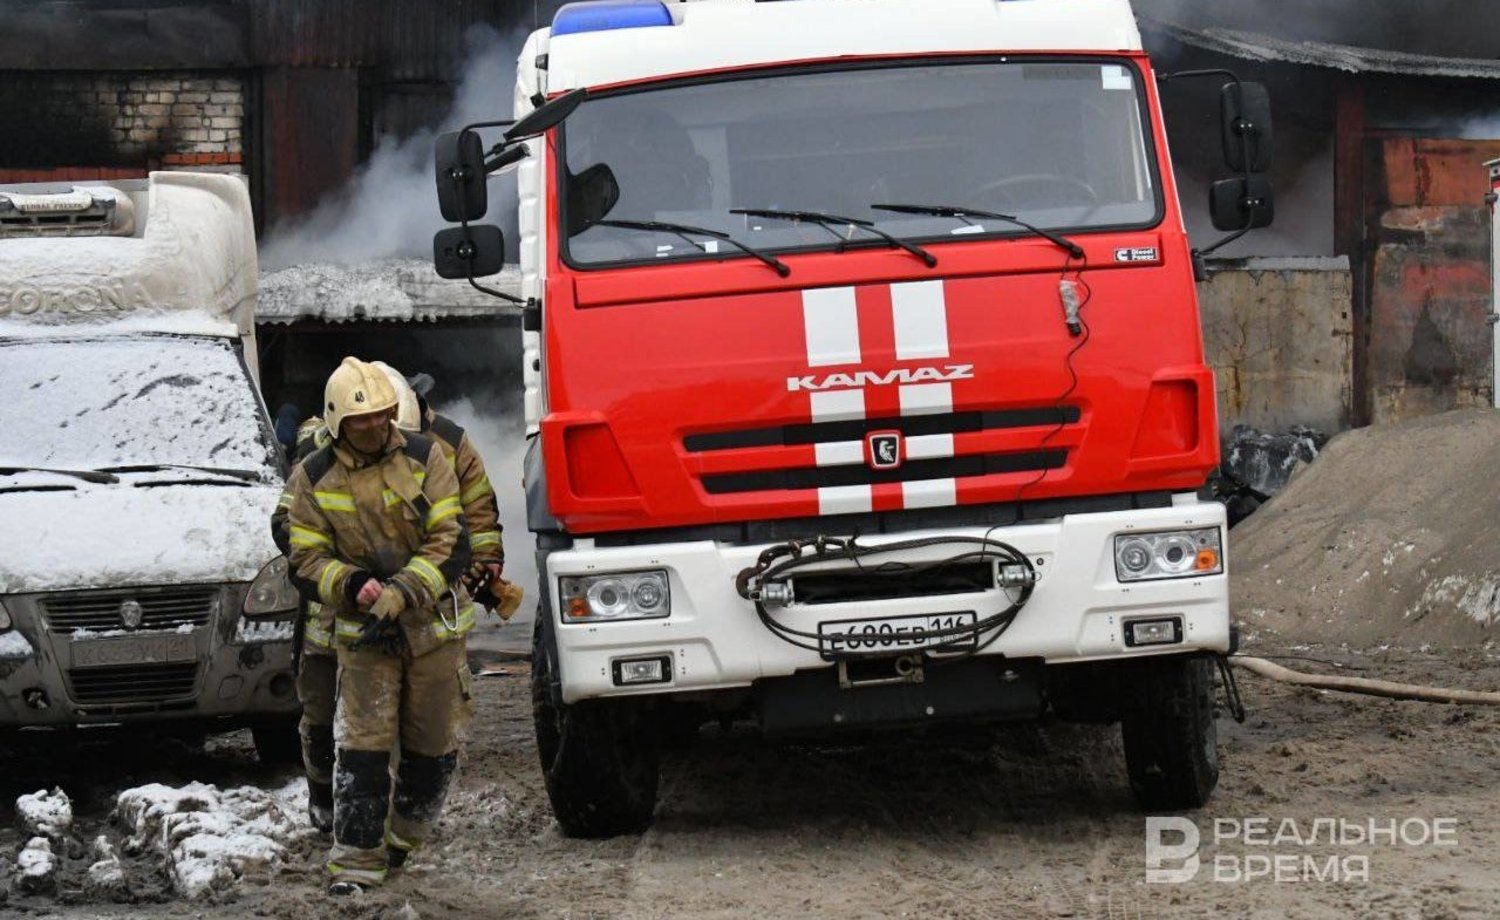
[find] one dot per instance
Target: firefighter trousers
(317, 688)
(423, 705)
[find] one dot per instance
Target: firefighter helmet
(355, 388)
(408, 413)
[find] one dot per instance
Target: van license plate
(93, 653)
(896, 634)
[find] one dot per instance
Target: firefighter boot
(361, 794)
(421, 788)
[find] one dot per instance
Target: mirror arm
(468, 257)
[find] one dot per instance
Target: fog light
(657, 670)
(1165, 631)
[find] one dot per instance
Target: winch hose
(1366, 686)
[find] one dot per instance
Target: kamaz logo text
(900, 375)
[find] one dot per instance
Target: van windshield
(1060, 144)
(130, 400)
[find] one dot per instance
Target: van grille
(100, 610)
(132, 683)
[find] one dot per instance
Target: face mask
(367, 440)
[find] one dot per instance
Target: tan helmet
(408, 413)
(355, 388)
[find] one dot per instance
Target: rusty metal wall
(1427, 254)
(1278, 334)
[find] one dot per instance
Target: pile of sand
(1391, 537)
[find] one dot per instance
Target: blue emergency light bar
(607, 15)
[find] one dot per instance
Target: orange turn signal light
(578, 607)
(1207, 560)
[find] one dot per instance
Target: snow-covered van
(138, 467)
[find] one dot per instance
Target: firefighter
(318, 664)
(375, 523)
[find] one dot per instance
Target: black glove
(382, 634)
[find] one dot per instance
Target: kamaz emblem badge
(883, 450)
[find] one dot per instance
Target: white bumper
(716, 640)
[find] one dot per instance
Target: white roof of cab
(191, 266)
(710, 35)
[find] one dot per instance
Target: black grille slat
(136, 683)
(910, 426)
(946, 468)
(101, 610)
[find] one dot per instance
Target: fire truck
(865, 385)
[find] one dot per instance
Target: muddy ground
(1032, 824)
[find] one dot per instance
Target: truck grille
(975, 443)
(822, 477)
(160, 609)
(910, 426)
(132, 683)
(844, 586)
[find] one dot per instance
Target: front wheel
(1171, 742)
(600, 758)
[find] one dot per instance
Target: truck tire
(277, 742)
(600, 758)
(1171, 742)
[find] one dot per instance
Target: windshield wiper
(246, 475)
(829, 221)
(683, 231)
(85, 475)
(963, 214)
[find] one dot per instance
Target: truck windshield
(1059, 144)
(89, 404)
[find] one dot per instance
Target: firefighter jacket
(481, 509)
(396, 518)
(476, 495)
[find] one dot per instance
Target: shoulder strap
(318, 463)
(447, 429)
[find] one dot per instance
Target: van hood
(95, 536)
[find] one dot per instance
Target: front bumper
(716, 641)
(215, 671)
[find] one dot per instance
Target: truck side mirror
(468, 252)
(592, 194)
(462, 195)
(1241, 204)
(1245, 126)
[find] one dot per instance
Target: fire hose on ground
(1366, 686)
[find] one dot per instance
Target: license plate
(896, 634)
(92, 653)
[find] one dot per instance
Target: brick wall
(66, 125)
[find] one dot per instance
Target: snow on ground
(210, 837)
(36, 865)
(43, 813)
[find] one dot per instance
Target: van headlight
(1169, 554)
(623, 596)
(272, 592)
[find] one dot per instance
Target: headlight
(625, 596)
(271, 592)
(1172, 554)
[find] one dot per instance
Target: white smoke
(389, 207)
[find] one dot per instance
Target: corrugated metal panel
(400, 39)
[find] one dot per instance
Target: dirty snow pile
(45, 814)
(1388, 538)
(211, 837)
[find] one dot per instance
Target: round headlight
(648, 594)
(1176, 554)
(1135, 556)
(608, 598)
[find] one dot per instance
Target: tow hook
(875, 672)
